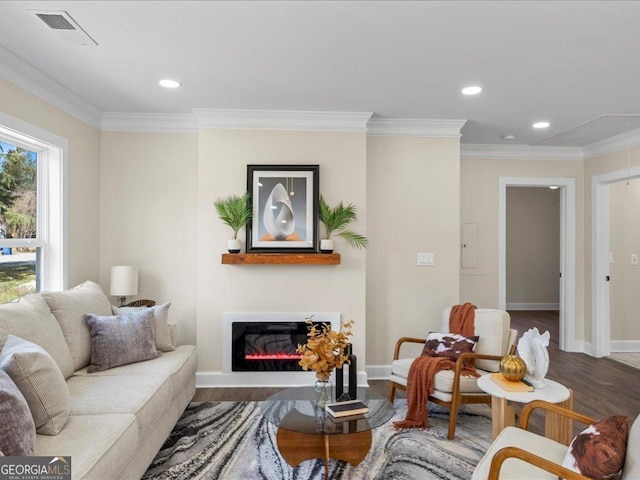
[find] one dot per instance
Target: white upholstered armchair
(518, 453)
(451, 388)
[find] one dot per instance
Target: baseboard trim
(584, 347)
(631, 346)
(262, 379)
(533, 306)
(378, 372)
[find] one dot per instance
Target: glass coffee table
(306, 431)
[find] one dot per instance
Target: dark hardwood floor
(601, 386)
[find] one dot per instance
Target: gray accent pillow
(161, 314)
(121, 339)
(69, 308)
(40, 381)
(31, 319)
(17, 430)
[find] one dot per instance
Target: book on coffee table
(510, 386)
(347, 418)
(348, 408)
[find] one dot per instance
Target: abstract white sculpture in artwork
(284, 224)
(532, 348)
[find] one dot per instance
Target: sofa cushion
(17, 430)
(514, 469)
(161, 314)
(449, 345)
(40, 381)
(145, 396)
(69, 308)
(167, 364)
(599, 450)
(31, 319)
(100, 446)
(121, 339)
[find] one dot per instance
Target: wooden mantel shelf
(281, 258)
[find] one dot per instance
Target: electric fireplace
(259, 348)
(267, 346)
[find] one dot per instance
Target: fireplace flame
(273, 356)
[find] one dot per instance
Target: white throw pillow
(161, 314)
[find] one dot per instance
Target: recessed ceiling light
(553, 187)
(509, 137)
(541, 125)
(168, 83)
(473, 90)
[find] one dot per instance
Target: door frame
(600, 213)
(567, 187)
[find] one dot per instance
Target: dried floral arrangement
(325, 349)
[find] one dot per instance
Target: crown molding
(612, 144)
(282, 119)
(520, 152)
(414, 127)
(34, 81)
(149, 122)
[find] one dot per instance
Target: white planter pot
(326, 246)
(234, 246)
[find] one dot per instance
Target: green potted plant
(236, 212)
(335, 220)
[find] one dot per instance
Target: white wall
(624, 240)
(83, 175)
(413, 200)
(223, 155)
(533, 247)
(610, 162)
(148, 212)
(479, 204)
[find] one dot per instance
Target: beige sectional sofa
(119, 417)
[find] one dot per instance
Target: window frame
(51, 217)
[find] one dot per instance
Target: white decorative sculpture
(284, 224)
(532, 348)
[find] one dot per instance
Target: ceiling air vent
(65, 26)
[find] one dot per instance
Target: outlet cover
(426, 259)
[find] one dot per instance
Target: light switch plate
(426, 259)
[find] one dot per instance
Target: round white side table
(503, 410)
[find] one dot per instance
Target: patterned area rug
(232, 441)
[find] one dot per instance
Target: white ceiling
(566, 62)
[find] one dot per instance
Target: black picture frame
(285, 201)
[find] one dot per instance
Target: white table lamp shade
(124, 281)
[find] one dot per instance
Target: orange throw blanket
(420, 382)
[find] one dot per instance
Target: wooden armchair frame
(457, 398)
(525, 456)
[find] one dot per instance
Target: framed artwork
(285, 208)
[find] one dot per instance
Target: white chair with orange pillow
(452, 389)
(600, 451)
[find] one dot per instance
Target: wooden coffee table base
(297, 447)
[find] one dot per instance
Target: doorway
(567, 198)
(600, 264)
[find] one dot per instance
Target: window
(18, 221)
(32, 231)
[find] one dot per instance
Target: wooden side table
(503, 412)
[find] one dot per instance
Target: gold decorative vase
(513, 368)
